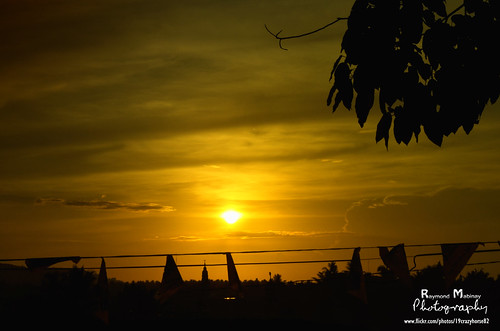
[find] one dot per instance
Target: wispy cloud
(187, 238)
(270, 234)
(102, 204)
(275, 234)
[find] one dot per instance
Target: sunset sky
(128, 127)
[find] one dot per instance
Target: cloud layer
(108, 205)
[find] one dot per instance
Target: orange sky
(129, 126)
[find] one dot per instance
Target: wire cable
(255, 251)
(268, 251)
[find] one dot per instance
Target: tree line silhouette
(72, 296)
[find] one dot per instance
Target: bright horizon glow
(231, 216)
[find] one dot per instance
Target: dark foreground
(72, 299)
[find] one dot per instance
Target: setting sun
(231, 216)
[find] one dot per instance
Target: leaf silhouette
(335, 65)
(437, 6)
(428, 17)
(433, 131)
(342, 73)
(344, 85)
(347, 95)
(330, 95)
(411, 21)
(364, 102)
(403, 130)
(383, 127)
(338, 99)
(471, 6)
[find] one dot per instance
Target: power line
(480, 263)
(256, 251)
(237, 264)
(265, 262)
(436, 254)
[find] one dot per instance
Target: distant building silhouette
(204, 274)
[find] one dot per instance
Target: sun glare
(231, 216)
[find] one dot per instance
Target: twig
(280, 39)
(454, 11)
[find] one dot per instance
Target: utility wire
(255, 251)
(239, 264)
(268, 251)
(435, 254)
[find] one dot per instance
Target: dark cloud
(109, 205)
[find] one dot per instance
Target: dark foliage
(434, 69)
(69, 299)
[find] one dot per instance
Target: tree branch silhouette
(454, 11)
(280, 39)
(434, 70)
